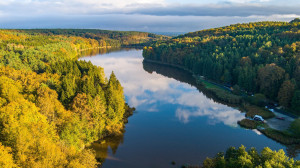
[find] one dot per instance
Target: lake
(174, 120)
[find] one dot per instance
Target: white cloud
(274, 17)
(148, 7)
(73, 6)
(143, 15)
(248, 1)
(148, 23)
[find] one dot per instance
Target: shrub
(226, 96)
(295, 127)
(280, 136)
(254, 110)
(246, 123)
(258, 100)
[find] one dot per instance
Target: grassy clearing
(226, 96)
(209, 85)
(283, 137)
(251, 111)
(250, 124)
(280, 136)
(221, 93)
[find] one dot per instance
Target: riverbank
(219, 91)
(224, 94)
(93, 48)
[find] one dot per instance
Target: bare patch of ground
(280, 124)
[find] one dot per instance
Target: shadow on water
(170, 72)
(293, 150)
(187, 77)
(104, 146)
(100, 51)
(182, 76)
(97, 51)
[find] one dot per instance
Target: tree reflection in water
(186, 77)
(293, 150)
(97, 51)
(103, 146)
(180, 75)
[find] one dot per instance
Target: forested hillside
(51, 105)
(37, 48)
(105, 37)
(261, 57)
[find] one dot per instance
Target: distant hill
(112, 38)
(171, 34)
(295, 20)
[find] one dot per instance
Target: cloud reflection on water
(144, 90)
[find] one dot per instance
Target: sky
(142, 15)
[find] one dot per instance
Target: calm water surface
(174, 121)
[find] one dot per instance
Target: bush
(236, 90)
(246, 123)
(280, 136)
(295, 127)
(254, 110)
(226, 96)
(258, 100)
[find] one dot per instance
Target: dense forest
(260, 57)
(105, 37)
(36, 48)
(51, 105)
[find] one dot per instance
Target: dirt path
(280, 124)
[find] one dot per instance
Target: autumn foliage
(52, 106)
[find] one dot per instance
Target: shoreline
(267, 131)
(197, 78)
(80, 50)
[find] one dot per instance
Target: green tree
(285, 93)
(250, 159)
(296, 101)
(295, 127)
(115, 104)
(270, 79)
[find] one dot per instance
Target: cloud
(135, 22)
(203, 106)
(248, 1)
(241, 8)
(142, 15)
(50, 7)
(216, 10)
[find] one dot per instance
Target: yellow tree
(50, 106)
(115, 104)
(6, 158)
